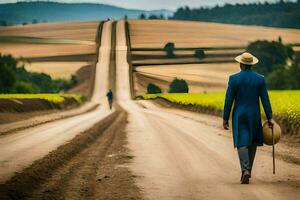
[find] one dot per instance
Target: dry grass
(161, 53)
(297, 48)
(190, 60)
(56, 69)
(83, 33)
(156, 33)
(68, 30)
(186, 52)
(44, 50)
(200, 77)
(79, 31)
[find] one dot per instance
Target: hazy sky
(157, 4)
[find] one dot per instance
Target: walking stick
(273, 150)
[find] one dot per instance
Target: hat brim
(239, 59)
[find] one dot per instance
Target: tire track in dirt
(88, 175)
(25, 182)
(88, 167)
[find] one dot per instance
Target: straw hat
(267, 133)
(247, 59)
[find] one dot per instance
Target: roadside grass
(212, 100)
(285, 102)
(285, 105)
(54, 98)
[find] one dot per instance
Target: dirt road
(20, 149)
(176, 154)
(183, 155)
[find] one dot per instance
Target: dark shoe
(245, 177)
(242, 176)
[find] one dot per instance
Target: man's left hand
(225, 125)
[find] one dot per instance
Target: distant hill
(280, 14)
(34, 12)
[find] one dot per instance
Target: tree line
(16, 79)
(279, 14)
(278, 63)
(152, 16)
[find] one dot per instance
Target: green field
(284, 103)
(54, 98)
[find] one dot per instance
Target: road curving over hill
(20, 149)
(184, 155)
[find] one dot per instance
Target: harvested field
(45, 50)
(67, 30)
(156, 33)
(86, 80)
(35, 40)
(185, 52)
(200, 77)
(297, 48)
(140, 58)
(62, 70)
(180, 60)
(49, 39)
(57, 49)
(220, 42)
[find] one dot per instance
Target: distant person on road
(110, 98)
(245, 88)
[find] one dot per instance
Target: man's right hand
(270, 123)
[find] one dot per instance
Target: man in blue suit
(244, 90)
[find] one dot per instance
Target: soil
(85, 78)
(12, 110)
(28, 105)
(24, 105)
(91, 166)
(186, 155)
(7, 117)
(288, 149)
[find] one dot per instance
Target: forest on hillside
(50, 11)
(280, 14)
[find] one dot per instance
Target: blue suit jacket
(245, 89)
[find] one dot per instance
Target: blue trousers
(246, 156)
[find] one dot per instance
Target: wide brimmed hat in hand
(247, 59)
(269, 137)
